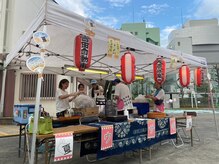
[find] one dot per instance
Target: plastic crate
(143, 108)
(23, 112)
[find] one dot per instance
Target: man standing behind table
(122, 95)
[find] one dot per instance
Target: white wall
(2, 24)
(21, 14)
(199, 35)
(184, 44)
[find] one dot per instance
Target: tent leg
(215, 120)
(36, 117)
(192, 100)
(3, 92)
(212, 104)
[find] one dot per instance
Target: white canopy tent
(62, 27)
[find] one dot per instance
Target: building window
(136, 33)
(131, 32)
(28, 86)
(178, 43)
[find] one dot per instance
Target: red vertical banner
(106, 137)
(151, 128)
(172, 125)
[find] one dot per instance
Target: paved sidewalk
(9, 130)
(204, 152)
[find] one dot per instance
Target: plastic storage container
(143, 108)
(23, 112)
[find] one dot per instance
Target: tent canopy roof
(62, 27)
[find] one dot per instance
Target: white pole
(36, 117)
(196, 102)
(3, 92)
(192, 99)
(215, 120)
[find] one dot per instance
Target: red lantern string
(159, 68)
(184, 75)
(83, 52)
(128, 67)
(198, 73)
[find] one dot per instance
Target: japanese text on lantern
(159, 70)
(84, 50)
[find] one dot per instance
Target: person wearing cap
(122, 95)
(96, 89)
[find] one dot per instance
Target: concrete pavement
(204, 152)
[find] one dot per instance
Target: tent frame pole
(3, 93)
(36, 118)
(213, 107)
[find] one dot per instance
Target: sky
(164, 14)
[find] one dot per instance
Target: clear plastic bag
(84, 101)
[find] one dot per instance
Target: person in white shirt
(96, 89)
(63, 98)
(122, 95)
(81, 89)
(158, 98)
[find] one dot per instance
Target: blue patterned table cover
(127, 136)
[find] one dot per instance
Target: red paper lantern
(198, 76)
(159, 68)
(83, 52)
(128, 67)
(184, 75)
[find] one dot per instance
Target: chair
(182, 125)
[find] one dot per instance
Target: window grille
(28, 86)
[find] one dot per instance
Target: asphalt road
(204, 152)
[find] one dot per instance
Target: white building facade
(197, 37)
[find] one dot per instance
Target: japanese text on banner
(106, 137)
(172, 125)
(113, 47)
(188, 122)
(151, 128)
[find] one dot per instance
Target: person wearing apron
(158, 98)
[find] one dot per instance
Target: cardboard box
(94, 111)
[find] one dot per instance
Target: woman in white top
(63, 98)
(96, 89)
(158, 98)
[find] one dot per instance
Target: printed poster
(172, 125)
(113, 47)
(151, 128)
(188, 122)
(63, 146)
(106, 137)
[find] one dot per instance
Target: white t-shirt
(97, 92)
(61, 104)
(123, 92)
